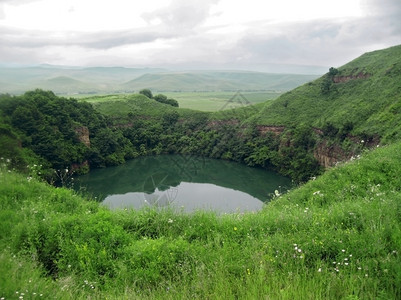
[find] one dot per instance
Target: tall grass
(336, 237)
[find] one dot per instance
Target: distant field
(214, 101)
(203, 101)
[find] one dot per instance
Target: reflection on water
(185, 183)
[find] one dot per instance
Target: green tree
(147, 93)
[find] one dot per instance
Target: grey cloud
(107, 40)
(318, 42)
(382, 7)
(385, 13)
(97, 40)
(2, 14)
(183, 14)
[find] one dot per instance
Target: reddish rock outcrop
(219, 123)
(263, 129)
(328, 156)
(83, 135)
(342, 79)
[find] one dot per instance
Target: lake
(184, 183)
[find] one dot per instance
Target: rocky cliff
(83, 135)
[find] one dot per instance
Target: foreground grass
(338, 236)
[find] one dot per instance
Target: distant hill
(217, 81)
(16, 80)
(104, 80)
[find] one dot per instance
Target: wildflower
(319, 270)
(170, 221)
(235, 228)
(248, 271)
(343, 250)
(316, 193)
(277, 193)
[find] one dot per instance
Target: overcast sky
(195, 34)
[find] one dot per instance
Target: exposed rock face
(328, 156)
(83, 135)
(342, 79)
(263, 129)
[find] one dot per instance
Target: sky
(214, 34)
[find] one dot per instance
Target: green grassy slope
(336, 237)
(372, 104)
(121, 105)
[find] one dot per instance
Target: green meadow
(214, 101)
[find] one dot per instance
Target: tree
(328, 80)
(333, 71)
(160, 98)
(147, 93)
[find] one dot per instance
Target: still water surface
(184, 183)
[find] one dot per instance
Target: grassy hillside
(365, 93)
(336, 237)
(121, 105)
(217, 81)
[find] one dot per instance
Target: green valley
(335, 235)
